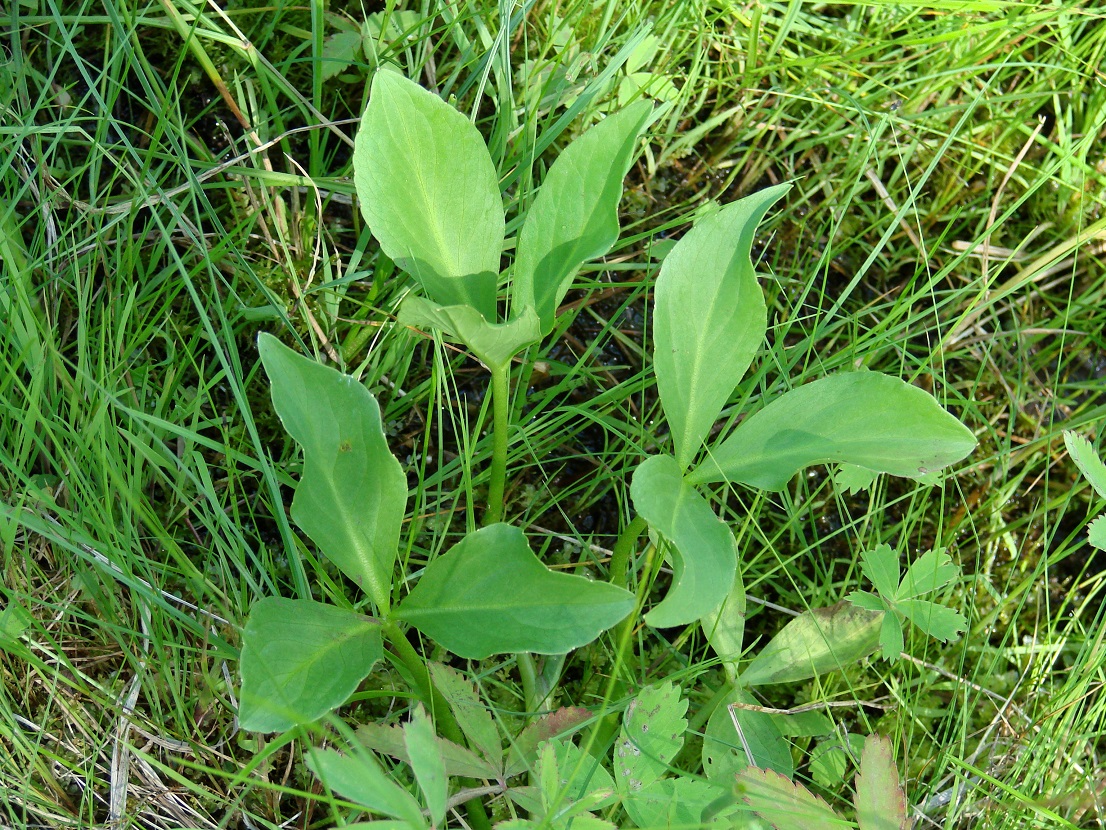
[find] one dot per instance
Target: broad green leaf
(935, 620)
(493, 343)
(807, 724)
(574, 217)
(427, 763)
(725, 627)
(353, 493)
(785, 805)
(678, 803)
(864, 418)
(389, 740)
(726, 751)
(429, 192)
(702, 549)
(300, 659)
(709, 318)
(652, 733)
(932, 570)
(491, 595)
(879, 800)
(471, 714)
(359, 778)
(1087, 460)
(881, 566)
(815, 642)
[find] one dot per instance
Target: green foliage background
(175, 178)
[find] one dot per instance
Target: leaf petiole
(501, 375)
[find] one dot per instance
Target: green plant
(901, 599)
(431, 196)
(570, 786)
(488, 595)
(1090, 464)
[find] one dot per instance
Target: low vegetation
(552, 414)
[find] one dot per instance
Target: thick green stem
(525, 662)
(440, 711)
(501, 376)
(620, 568)
(620, 556)
(537, 686)
(430, 697)
(604, 730)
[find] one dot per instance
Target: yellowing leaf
(786, 806)
(880, 801)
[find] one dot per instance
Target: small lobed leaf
(339, 51)
(574, 217)
(301, 659)
(864, 599)
(881, 566)
(652, 733)
(14, 620)
(353, 493)
(702, 548)
(1096, 532)
(709, 318)
(459, 761)
(880, 801)
(568, 774)
(558, 723)
(491, 595)
(1087, 460)
(935, 620)
(427, 763)
(429, 192)
(359, 778)
(865, 418)
(891, 643)
(830, 759)
(785, 805)
(851, 479)
(815, 642)
(471, 714)
(932, 570)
